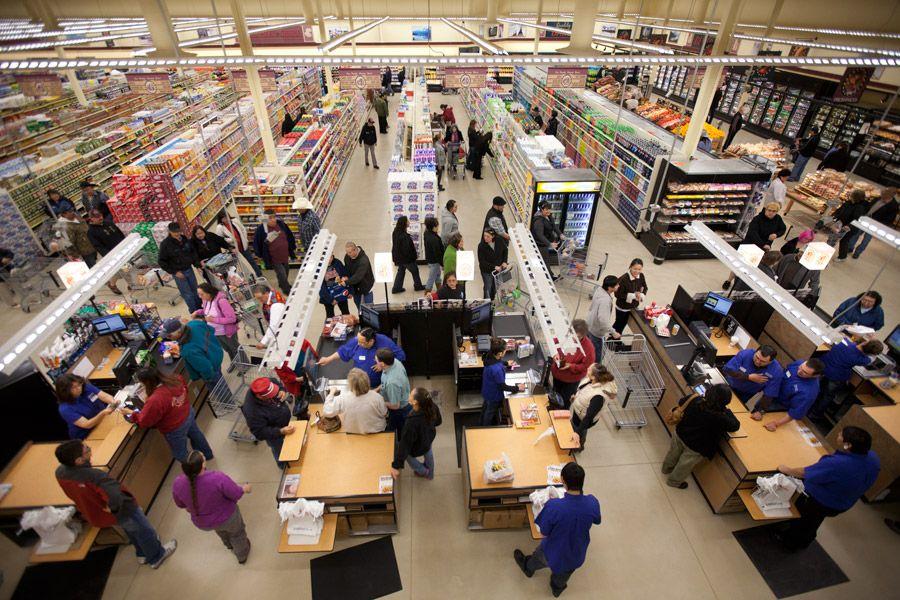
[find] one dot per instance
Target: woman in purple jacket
(211, 499)
(218, 312)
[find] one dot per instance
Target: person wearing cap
(57, 203)
(308, 223)
(198, 346)
(369, 139)
(602, 314)
(76, 232)
(362, 349)
(92, 198)
(177, 257)
(268, 413)
(274, 242)
(495, 220)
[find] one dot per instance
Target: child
(493, 383)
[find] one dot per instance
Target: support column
(159, 22)
(669, 6)
(582, 27)
(492, 12)
(308, 14)
(352, 27)
(73, 80)
(702, 9)
(256, 93)
(537, 32)
(620, 12)
(710, 78)
(776, 13)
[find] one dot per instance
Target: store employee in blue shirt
(799, 390)
(752, 371)
(361, 350)
(81, 404)
(565, 524)
(839, 363)
(832, 485)
(493, 383)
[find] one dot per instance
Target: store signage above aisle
(852, 85)
(149, 83)
(566, 77)
(360, 79)
(465, 77)
(803, 319)
(549, 312)
(268, 80)
(30, 339)
(40, 85)
(301, 303)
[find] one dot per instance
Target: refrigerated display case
(724, 194)
(573, 195)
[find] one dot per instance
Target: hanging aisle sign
(268, 80)
(853, 83)
(360, 79)
(149, 83)
(39, 85)
(465, 77)
(566, 77)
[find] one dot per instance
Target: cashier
(796, 394)
(361, 350)
(752, 371)
(864, 310)
(839, 363)
(81, 404)
(493, 383)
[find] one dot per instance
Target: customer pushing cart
(232, 274)
(456, 160)
(639, 382)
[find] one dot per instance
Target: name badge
(362, 357)
(787, 374)
(743, 369)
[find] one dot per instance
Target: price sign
(465, 77)
(360, 79)
(40, 84)
(149, 83)
(566, 77)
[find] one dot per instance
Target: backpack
(677, 413)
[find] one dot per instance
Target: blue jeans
(489, 289)
(397, 417)
(178, 439)
(253, 262)
(275, 447)
(187, 287)
(426, 468)
(434, 277)
(142, 536)
(799, 165)
(360, 299)
(866, 238)
(598, 347)
(490, 414)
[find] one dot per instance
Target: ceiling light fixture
(333, 43)
(811, 44)
(599, 39)
(231, 36)
(888, 235)
(483, 43)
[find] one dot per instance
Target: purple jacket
(217, 497)
(225, 322)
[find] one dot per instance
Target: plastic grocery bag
(52, 524)
(540, 497)
(499, 470)
(776, 491)
(304, 517)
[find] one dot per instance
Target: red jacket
(578, 363)
(166, 408)
(98, 497)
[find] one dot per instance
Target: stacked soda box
(146, 198)
(15, 234)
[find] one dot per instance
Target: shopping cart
(33, 280)
(577, 274)
(456, 160)
(143, 275)
(232, 274)
(639, 383)
(227, 396)
(507, 288)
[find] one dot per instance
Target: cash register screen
(893, 343)
(109, 324)
(718, 304)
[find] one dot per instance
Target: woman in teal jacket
(200, 349)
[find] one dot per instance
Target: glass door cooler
(573, 195)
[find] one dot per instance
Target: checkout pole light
(888, 235)
(73, 272)
(465, 265)
(816, 256)
(751, 253)
(384, 267)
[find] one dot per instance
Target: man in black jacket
(268, 414)
(495, 219)
(847, 213)
(806, 147)
(403, 253)
(546, 234)
(369, 139)
(838, 158)
(360, 278)
(386, 82)
(492, 257)
(177, 257)
(104, 236)
(737, 123)
(884, 210)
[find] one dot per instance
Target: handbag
(327, 424)
(677, 413)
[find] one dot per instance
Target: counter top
(762, 450)
(529, 460)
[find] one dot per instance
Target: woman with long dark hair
(403, 251)
(211, 498)
(168, 408)
(418, 435)
(630, 294)
(81, 405)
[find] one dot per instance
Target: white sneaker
(168, 550)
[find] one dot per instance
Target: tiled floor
(655, 541)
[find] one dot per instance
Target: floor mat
(460, 420)
(359, 573)
(788, 573)
(55, 580)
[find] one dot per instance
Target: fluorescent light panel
(480, 41)
(811, 44)
(888, 235)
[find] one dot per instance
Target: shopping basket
(639, 382)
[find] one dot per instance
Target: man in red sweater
(104, 502)
(570, 369)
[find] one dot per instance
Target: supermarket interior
(410, 300)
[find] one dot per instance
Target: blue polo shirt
(87, 405)
(838, 480)
(493, 380)
(797, 394)
(840, 360)
(744, 388)
(364, 358)
(566, 525)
